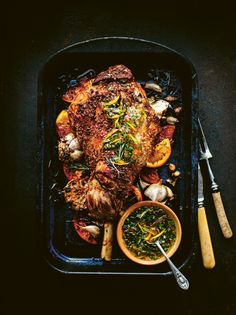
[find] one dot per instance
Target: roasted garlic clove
(153, 86)
(160, 107)
(157, 192)
(171, 120)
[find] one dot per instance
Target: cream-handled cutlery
(205, 154)
(208, 257)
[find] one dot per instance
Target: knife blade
(200, 188)
(208, 257)
(205, 154)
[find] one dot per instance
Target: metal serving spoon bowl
(180, 278)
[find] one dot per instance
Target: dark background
(32, 32)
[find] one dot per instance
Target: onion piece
(92, 229)
(143, 184)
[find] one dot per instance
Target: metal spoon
(180, 278)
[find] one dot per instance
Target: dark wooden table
(34, 32)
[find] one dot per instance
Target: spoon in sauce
(180, 278)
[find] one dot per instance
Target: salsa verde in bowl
(144, 223)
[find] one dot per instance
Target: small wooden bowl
(122, 244)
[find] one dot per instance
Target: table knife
(208, 257)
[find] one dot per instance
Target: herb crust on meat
(116, 129)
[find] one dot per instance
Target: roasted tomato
(88, 232)
(150, 175)
(70, 173)
(167, 132)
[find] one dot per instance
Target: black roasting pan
(60, 244)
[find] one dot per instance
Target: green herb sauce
(143, 227)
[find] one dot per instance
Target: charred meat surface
(116, 130)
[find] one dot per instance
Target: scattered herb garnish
(121, 139)
(112, 165)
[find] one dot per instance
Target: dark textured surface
(34, 32)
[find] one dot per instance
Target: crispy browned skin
(110, 180)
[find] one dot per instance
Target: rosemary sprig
(112, 165)
(121, 151)
(79, 167)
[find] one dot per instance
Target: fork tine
(203, 135)
(206, 148)
(201, 151)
